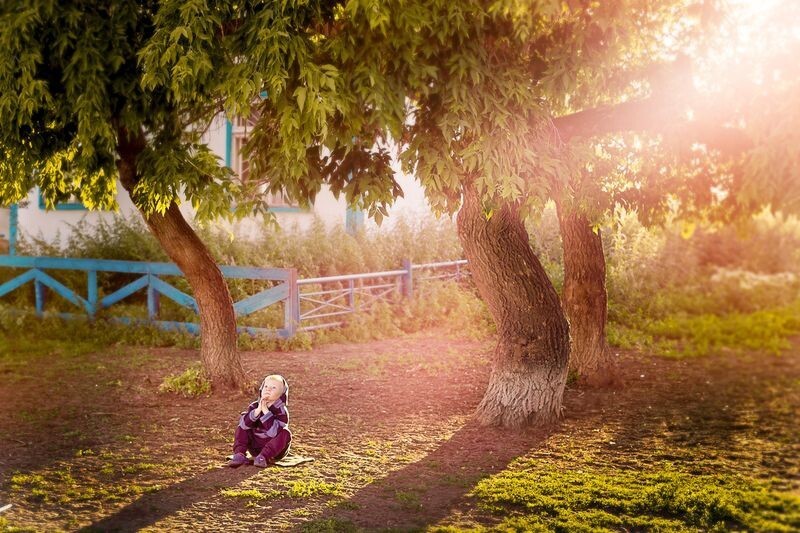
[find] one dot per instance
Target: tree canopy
(464, 89)
(478, 98)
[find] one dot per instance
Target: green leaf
(300, 96)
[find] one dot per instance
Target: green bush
(712, 291)
(684, 335)
(123, 238)
(319, 251)
(192, 382)
(314, 252)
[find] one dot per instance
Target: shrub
(192, 382)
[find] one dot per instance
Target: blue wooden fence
(313, 301)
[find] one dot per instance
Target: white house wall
(5, 220)
(330, 211)
(412, 206)
(34, 221)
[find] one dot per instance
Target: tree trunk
(529, 369)
(218, 334)
(585, 299)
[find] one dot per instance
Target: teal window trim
(287, 209)
(228, 143)
(229, 136)
(13, 219)
(64, 206)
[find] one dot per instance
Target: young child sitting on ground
(263, 428)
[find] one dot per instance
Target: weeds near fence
(718, 290)
(315, 252)
(443, 304)
(28, 333)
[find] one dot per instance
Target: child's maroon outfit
(267, 434)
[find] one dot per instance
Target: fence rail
(335, 296)
(308, 304)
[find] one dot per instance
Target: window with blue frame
(73, 204)
(236, 133)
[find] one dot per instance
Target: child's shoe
(262, 462)
(238, 460)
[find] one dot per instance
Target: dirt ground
(88, 443)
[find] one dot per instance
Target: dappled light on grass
(406, 456)
(109, 453)
(686, 335)
(703, 445)
(547, 496)
(93, 480)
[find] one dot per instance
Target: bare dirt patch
(88, 442)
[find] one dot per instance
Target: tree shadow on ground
(712, 414)
(426, 491)
(707, 403)
(154, 506)
(50, 442)
(48, 415)
(707, 408)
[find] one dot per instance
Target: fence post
(91, 292)
(291, 316)
(408, 278)
(351, 295)
(39, 296)
(152, 300)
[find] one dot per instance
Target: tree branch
(667, 111)
(656, 115)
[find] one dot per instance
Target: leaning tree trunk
(585, 299)
(218, 335)
(529, 369)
